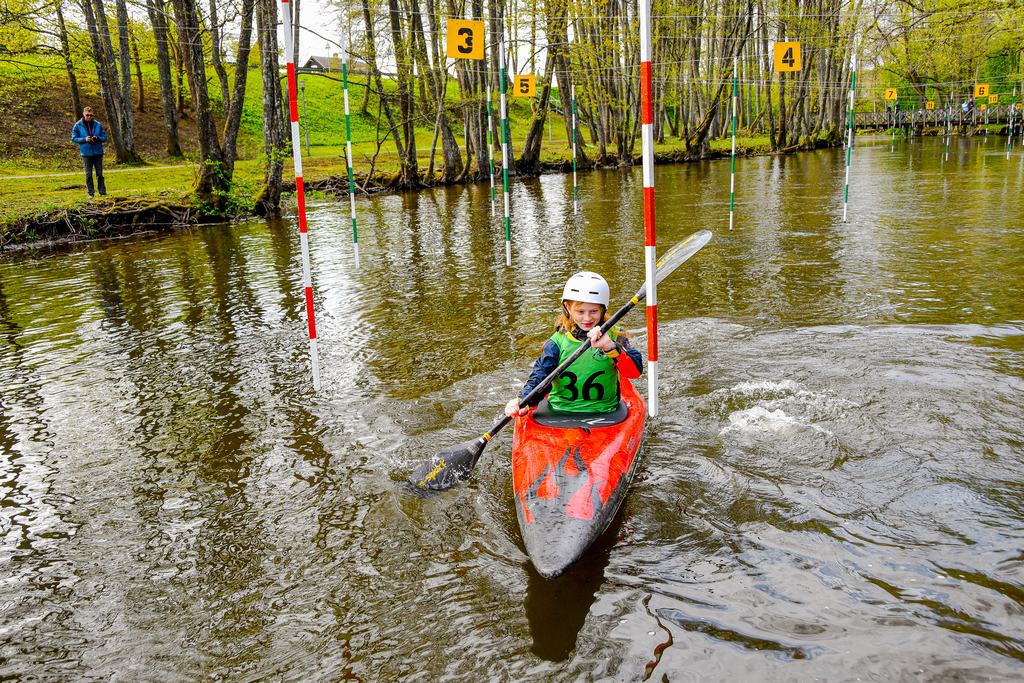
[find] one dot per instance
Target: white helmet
(586, 286)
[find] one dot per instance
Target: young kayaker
(591, 383)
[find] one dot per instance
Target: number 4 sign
(465, 39)
(787, 57)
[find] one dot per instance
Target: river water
(834, 489)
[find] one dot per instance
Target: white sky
(321, 17)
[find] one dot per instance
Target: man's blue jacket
(80, 131)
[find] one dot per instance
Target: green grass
(22, 195)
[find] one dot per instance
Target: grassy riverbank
(30, 195)
(41, 180)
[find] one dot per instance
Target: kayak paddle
(455, 463)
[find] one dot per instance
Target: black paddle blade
(449, 467)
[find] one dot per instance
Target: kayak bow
(570, 474)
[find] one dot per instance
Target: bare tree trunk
(158, 17)
(138, 75)
(213, 181)
(371, 63)
(105, 79)
(268, 203)
(124, 93)
(295, 32)
(233, 119)
(409, 171)
(529, 161)
(65, 53)
(216, 50)
(438, 86)
(179, 73)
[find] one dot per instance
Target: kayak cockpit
(548, 417)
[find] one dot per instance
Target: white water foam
(767, 386)
(760, 419)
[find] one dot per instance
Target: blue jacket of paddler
(548, 361)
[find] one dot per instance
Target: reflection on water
(557, 608)
(834, 485)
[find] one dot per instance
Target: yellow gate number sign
(524, 85)
(993, 99)
(1020, 106)
(465, 39)
(929, 105)
(983, 107)
(787, 57)
(981, 89)
(891, 94)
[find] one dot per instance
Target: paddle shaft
(546, 383)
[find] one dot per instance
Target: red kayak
(570, 473)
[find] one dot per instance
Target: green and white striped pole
(732, 173)
(490, 143)
(949, 132)
(348, 147)
(1009, 138)
(849, 132)
(892, 124)
(504, 143)
(1021, 127)
(575, 189)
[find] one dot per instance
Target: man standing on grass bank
(89, 135)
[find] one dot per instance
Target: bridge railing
(997, 113)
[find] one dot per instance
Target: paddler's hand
(600, 341)
(512, 408)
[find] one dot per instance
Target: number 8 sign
(525, 85)
(465, 39)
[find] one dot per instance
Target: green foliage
(941, 48)
(324, 112)
(19, 27)
(237, 200)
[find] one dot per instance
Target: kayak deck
(570, 481)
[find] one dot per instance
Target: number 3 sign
(465, 39)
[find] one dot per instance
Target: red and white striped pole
(650, 240)
(300, 191)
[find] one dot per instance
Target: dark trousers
(94, 162)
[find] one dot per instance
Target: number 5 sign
(787, 57)
(525, 85)
(465, 39)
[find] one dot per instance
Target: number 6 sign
(465, 39)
